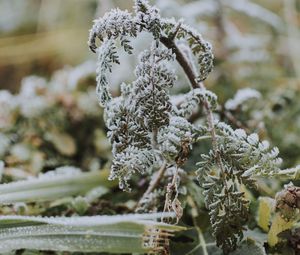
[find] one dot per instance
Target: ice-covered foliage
(153, 80)
(151, 132)
(241, 97)
(175, 139)
(192, 99)
(243, 157)
(143, 111)
(106, 57)
(131, 160)
(239, 47)
(61, 182)
(147, 18)
(160, 119)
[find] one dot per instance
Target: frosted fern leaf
(129, 161)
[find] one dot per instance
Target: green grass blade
(50, 187)
(112, 234)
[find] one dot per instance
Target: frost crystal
(172, 138)
(242, 96)
(153, 79)
(192, 99)
(112, 25)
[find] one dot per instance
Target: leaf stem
(153, 183)
(190, 73)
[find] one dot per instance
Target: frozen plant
(242, 96)
(151, 135)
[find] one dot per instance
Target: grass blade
(113, 234)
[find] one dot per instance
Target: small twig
(233, 120)
(183, 62)
(172, 37)
(153, 183)
(175, 176)
(170, 44)
(173, 203)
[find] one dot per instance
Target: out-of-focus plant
(280, 109)
(52, 123)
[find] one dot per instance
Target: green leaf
(53, 185)
(279, 224)
(265, 209)
(113, 234)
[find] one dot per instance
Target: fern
(150, 135)
(243, 158)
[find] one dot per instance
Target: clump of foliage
(43, 126)
(149, 133)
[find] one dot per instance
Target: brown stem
(192, 76)
(153, 183)
(181, 59)
(228, 115)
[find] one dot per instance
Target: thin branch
(176, 31)
(153, 183)
(184, 63)
(173, 204)
(181, 59)
(228, 115)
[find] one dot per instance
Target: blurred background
(39, 36)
